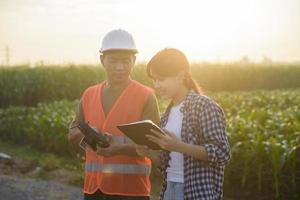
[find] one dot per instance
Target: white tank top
(175, 171)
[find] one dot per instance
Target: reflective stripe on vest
(122, 140)
(118, 168)
(118, 139)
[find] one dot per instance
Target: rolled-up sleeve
(79, 116)
(213, 127)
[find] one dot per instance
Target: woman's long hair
(168, 63)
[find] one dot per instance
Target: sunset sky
(65, 31)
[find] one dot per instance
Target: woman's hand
(168, 141)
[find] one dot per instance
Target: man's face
(118, 66)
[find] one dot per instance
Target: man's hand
(112, 150)
(75, 136)
(142, 150)
(117, 149)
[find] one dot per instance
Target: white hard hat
(118, 40)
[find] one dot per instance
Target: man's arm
(75, 135)
(154, 155)
(151, 110)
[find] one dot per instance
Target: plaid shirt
(203, 124)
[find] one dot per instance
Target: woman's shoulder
(200, 101)
(195, 98)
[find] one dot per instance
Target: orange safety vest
(121, 174)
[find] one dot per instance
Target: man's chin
(120, 80)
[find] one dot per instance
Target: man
(116, 172)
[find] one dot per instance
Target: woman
(196, 147)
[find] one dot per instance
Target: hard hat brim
(134, 51)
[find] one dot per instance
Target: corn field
(263, 127)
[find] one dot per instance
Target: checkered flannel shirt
(203, 124)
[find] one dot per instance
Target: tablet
(137, 132)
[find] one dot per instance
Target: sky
(64, 31)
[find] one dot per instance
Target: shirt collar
(183, 108)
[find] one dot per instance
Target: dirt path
(21, 179)
(25, 189)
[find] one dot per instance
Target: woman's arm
(212, 126)
(196, 151)
(170, 142)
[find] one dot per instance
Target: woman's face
(166, 87)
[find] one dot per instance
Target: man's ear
(133, 59)
(101, 59)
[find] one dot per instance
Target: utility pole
(7, 55)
